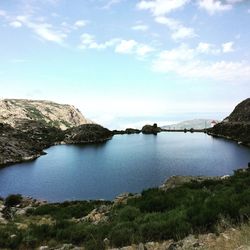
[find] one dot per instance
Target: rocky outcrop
(177, 181)
(88, 133)
(149, 129)
(18, 146)
(236, 126)
(127, 131)
(15, 111)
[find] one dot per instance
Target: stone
(106, 243)
(43, 247)
(141, 247)
(149, 129)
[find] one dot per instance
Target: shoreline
(31, 158)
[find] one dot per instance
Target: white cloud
(126, 46)
(110, 3)
(227, 47)
(213, 6)
(161, 7)
(170, 22)
(88, 42)
(3, 13)
(140, 27)
(80, 23)
(186, 62)
(143, 49)
(234, 1)
(207, 48)
(133, 47)
(183, 33)
(44, 30)
(120, 46)
(15, 24)
(178, 30)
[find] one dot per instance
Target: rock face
(236, 126)
(148, 129)
(15, 111)
(86, 134)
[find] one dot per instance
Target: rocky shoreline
(231, 132)
(27, 142)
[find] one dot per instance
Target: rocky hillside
(236, 126)
(17, 111)
(18, 145)
(241, 113)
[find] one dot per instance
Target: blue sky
(141, 60)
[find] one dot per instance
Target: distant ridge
(16, 111)
(195, 124)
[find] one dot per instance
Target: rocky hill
(241, 113)
(87, 133)
(236, 126)
(17, 111)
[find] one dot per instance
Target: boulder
(149, 129)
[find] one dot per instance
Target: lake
(127, 163)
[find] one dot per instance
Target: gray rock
(141, 247)
(43, 247)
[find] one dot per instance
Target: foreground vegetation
(156, 215)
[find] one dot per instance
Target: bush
(123, 234)
(128, 213)
(13, 200)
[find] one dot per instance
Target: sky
(127, 62)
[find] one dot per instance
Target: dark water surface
(127, 163)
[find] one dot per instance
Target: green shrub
(13, 200)
(123, 234)
(128, 213)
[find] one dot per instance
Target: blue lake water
(127, 163)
